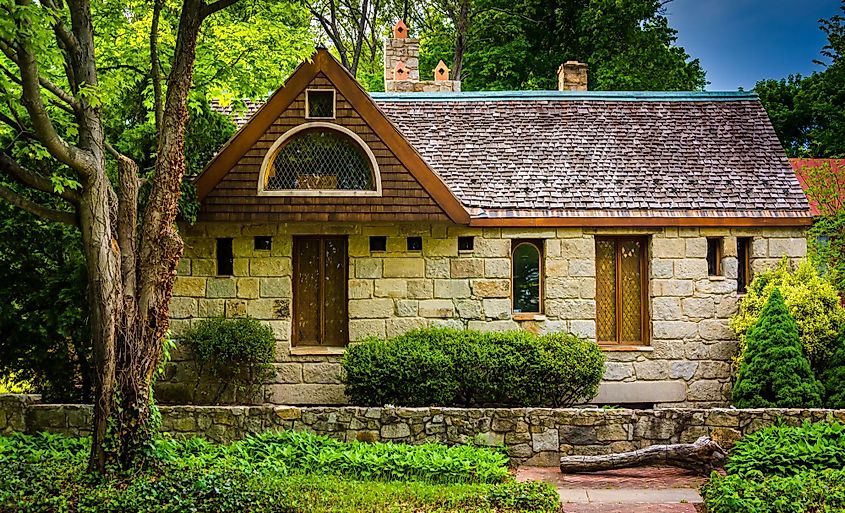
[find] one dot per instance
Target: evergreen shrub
(775, 372)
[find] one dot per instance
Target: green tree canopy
(808, 113)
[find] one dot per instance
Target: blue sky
(742, 41)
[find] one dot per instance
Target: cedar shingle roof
(579, 154)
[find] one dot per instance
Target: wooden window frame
(270, 156)
(745, 263)
(644, 294)
(295, 303)
(308, 102)
(540, 246)
(719, 249)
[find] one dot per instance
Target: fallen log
(702, 457)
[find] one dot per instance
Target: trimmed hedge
(447, 367)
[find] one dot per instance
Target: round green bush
(812, 300)
(447, 367)
(238, 354)
(775, 373)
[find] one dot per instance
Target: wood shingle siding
(410, 190)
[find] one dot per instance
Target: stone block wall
(532, 436)
(686, 363)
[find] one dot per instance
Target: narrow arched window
(317, 159)
(527, 276)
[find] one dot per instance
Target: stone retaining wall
(535, 436)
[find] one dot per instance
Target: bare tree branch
(35, 180)
(212, 8)
(50, 214)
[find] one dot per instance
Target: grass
(288, 472)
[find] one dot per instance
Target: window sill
(528, 317)
(716, 278)
(317, 351)
(612, 348)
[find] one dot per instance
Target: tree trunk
(104, 286)
(702, 457)
(149, 273)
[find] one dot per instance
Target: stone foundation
(532, 436)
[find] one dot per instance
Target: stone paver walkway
(639, 490)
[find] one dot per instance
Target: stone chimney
(402, 66)
(572, 76)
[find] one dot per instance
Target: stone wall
(686, 363)
(534, 436)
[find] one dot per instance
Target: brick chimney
(572, 76)
(402, 66)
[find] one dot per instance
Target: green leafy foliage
(812, 300)
(774, 372)
(833, 377)
(783, 450)
(43, 331)
(448, 367)
(280, 472)
(783, 469)
(808, 113)
(809, 492)
(628, 45)
(236, 353)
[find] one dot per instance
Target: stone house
(633, 219)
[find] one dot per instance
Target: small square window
(320, 103)
(466, 243)
(714, 257)
(378, 243)
(263, 243)
(414, 243)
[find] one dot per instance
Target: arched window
(318, 159)
(527, 276)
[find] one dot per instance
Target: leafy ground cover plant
(448, 367)
(812, 300)
(783, 469)
(774, 372)
(808, 492)
(284, 472)
(783, 450)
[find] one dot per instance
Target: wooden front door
(319, 291)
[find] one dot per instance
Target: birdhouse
(400, 30)
(401, 72)
(441, 72)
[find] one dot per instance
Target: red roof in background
(803, 168)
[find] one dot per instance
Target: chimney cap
(400, 30)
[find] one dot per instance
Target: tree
(499, 45)
(775, 372)
(354, 28)
(808, 113)
(131, 252)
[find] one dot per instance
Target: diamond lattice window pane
(320, 159)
